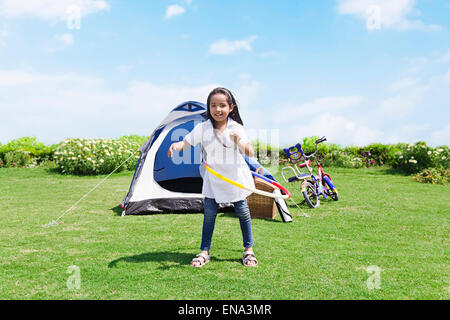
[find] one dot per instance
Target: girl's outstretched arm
(177, 146)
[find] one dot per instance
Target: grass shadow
(117, 210)
(227, 215)
(166, 259)
(52, 170)
(233, 215)
(397, 172)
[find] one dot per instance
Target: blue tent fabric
(167, 169)
(253, 164)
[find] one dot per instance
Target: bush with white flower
(415, 157)
(96, 156)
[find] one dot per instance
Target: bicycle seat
(300, 177)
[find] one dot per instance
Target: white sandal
(249, 256)
(202, 259)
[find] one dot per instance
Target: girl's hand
(235, 137)
(177, 146)
(245, 148)
(173, 147)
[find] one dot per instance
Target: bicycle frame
(318, 182)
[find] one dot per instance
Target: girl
(222, 138)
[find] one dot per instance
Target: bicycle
(312, 187)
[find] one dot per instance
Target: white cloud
(248, 92)
(331, 104)
(173, 11)
(445, 57)
(71, 105)
(124, 68)
(385, 14)
(441, 136)
(3, 35)
(54, 106)
(337, 117)
(338, 129)
(398, 106)
(408, 95)
(270, 54)
(225, 47)
(65, 39)
(60, 42)
(446, 77)
(404, 83)
(51, 9)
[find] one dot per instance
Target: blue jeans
(209, 220)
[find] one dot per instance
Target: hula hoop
(254, 190)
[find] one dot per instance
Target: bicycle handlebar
(321, 140)
(315, 145)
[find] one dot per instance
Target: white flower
(429, 152)
(401, 157)
(440, 150)
(89, 159)
(443, 158)
(412, 161)
(101, 160)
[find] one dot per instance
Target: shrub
(342, 159)
(433, 176)
(323, 148)
(441, 157)
(413, 158)
(95, 156)
(16, 159)
(134, 139)
(36, 150)
(48, 164)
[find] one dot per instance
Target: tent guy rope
(58, 222)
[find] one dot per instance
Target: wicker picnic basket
(261, 206)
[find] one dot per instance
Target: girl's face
(219, 107)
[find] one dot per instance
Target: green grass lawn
(384, 220)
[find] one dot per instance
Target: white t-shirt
(226, 160)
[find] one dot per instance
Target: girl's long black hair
(231, 101)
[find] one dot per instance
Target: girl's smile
(219, 108)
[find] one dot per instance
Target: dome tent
(173, 185)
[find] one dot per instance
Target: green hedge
(102, 156)
(408, 158)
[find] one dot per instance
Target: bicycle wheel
(310, 195)
(332, 191)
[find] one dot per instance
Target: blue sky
(357, 71)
